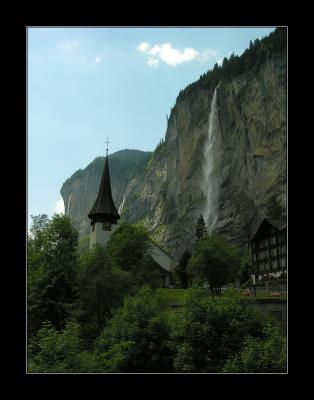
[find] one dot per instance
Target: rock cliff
(167, 194)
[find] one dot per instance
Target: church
(104, 221)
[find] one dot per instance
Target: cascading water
(69, 201)
(125, 195)
(211, 174)
(122, 204)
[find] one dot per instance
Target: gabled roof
(278, 223)
(104, 205)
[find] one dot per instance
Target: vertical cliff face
(252, 113)
(243, 165)
(250, 156)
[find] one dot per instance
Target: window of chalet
(283, 262)
(274, 252)
(274, 264)
(273, 240)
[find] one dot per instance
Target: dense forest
(102, 310)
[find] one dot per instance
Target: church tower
(103, 215)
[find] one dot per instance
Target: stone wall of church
(99, 235)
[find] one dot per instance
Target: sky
(87, 84)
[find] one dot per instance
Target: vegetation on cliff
(250, 61)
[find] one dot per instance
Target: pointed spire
(107, 146)
(104, 209)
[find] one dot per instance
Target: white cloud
(207, 55)
(172, 56)
(59, 206)
(98, 59)
(153, 62)
(69, 45)
(143, 47)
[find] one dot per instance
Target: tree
(39, 223)
(274, 208)
(201, 229)
(137, 338)
(244, 272)
(213, 262)
(51, 274)
(181, 269)
(101, 288)
(60, 351)
(209, 333)
(268, 355)
(83, 245)
(129, 249)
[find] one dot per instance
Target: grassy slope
(175, 297)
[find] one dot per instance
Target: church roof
(104, 205)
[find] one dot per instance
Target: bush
(137, 339)
(269, 355)
(209, 333)
(54, 351)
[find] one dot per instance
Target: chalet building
(269, 248)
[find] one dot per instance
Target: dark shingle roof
(104, 205)
(279, 223)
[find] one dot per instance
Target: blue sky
(85, 84)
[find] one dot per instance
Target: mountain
(80, 190)
(223, 155)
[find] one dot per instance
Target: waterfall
(68, 211)
(122, 204)
(210, 184)
(125, 195)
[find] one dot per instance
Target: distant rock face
(165, 192)
(80, 191)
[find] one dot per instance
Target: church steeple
(104, 209)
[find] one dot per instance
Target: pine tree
(201, 229)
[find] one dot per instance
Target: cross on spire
(107, 142)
